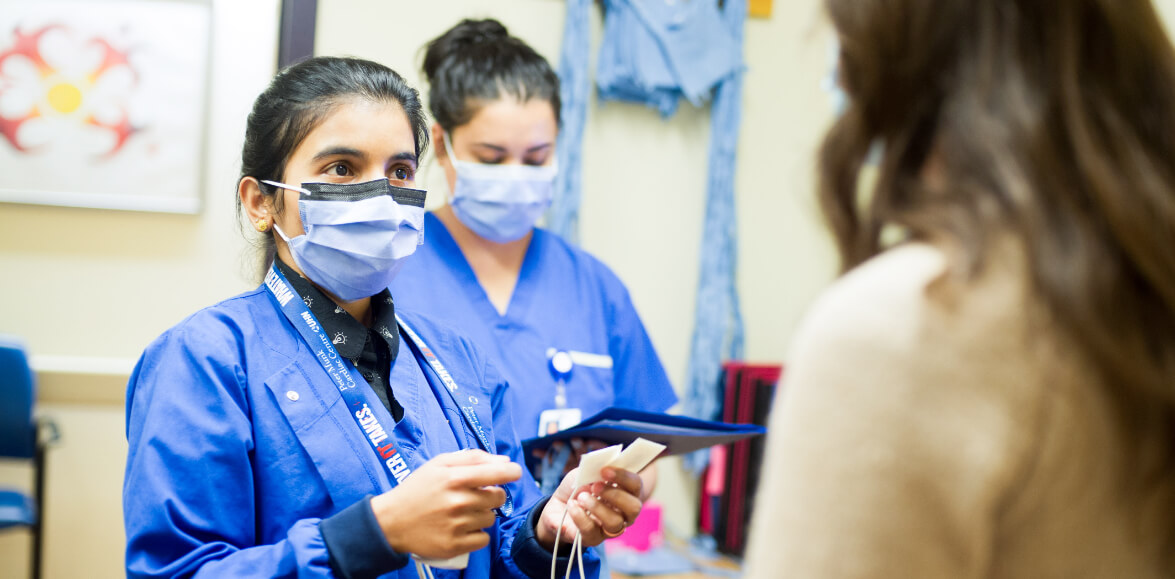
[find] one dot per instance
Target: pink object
(644, 533)
(716, 475)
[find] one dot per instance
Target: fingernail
(608, 474)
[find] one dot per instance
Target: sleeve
(188, 499)
(519, 553)
(884, 458)
(356, 543)
(640, 380)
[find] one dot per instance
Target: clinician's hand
(442, 509)
(580, 447)
(609, 506)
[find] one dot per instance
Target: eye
(535, 162)
(339, 170)
(402, 174)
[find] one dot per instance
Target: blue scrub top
(240, 444)
(565, 300)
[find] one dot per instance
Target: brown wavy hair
(1054, 121)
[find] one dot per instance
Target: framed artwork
(104, 103)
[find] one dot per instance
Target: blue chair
(23, 438)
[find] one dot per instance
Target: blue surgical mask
(500, 203)
(357, 234)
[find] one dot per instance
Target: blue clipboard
(679, 434)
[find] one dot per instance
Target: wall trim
(81, 379)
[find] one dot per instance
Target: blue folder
(679, 434)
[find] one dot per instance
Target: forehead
(509, 119)
(379, 129)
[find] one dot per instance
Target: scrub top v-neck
(565, 301)
(520, 300)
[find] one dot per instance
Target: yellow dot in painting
(65, 97)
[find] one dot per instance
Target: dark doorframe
(295, 41)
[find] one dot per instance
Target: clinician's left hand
(598, 511)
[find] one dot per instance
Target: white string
(576, 549)
(555, 551)
(579, 551)
(423, 571)
(571, 557)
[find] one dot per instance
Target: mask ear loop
(291, 188)
(284, 186)
(449, 147)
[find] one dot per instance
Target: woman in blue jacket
(557, 321)
(309, 428)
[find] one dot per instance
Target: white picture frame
(104, 103)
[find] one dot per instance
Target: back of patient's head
(478, 62)
(1053, 122)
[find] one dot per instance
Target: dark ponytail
(477, 61)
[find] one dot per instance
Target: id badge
(556, 419)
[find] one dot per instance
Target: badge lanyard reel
(559, 418)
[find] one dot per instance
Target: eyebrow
(503, 149)
(339, 152)
(405, 156)
(356, 153)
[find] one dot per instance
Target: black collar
(346, 333)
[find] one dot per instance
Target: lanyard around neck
(344, 375)
(467, 405)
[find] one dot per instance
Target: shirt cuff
(356, 544)
(530, 556)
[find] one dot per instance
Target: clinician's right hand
(441, 509)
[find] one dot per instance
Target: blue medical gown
(240, 444)
(565, 299)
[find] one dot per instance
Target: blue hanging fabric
(656, 52)
(563, 217)
(718, 322)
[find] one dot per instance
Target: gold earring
(262, 225)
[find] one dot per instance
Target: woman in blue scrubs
(556, 320)
(310, 427)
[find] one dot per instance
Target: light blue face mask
(357, 234)
(500, 203)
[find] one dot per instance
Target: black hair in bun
(478, 61)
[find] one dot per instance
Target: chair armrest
(47, 432)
